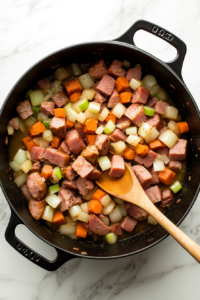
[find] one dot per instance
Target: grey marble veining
(29, 30)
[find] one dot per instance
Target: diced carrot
(73, 86)
(111, 117)
(156, 145)
(58, 218)
(56, 142)
(90, 139)
(125, 97)
(47, 172)
(90, 126)
(95, 207)
(98, 194)
(26, 140)
(121, 84)
(166, 176)
(81, 231)
(59, 112)
(142, 150)
(183, 127)
(69, 124)
(30, 145)
(75, 96)
(36, 129)
(129, 154)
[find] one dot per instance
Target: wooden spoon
(129, 189)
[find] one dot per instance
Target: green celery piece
(36, 110)
(46, 123)
(54, 189)
(149, 111)
(176, 187)
(27, 96)
(59, 173)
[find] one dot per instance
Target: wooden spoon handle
(184, 240)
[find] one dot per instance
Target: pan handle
(176, 64)
(27, 252)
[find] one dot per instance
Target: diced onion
(133, 140)
(48, 96)
(84, 217)
(119, 110)
(28, 154)
(173, 127)
(163, 157)
(119, 147)
(169, 138)
(108, 209)
(176, 186)
(149, 111)
(111, 238)
(61, 74)
(47, 136)
(158, 165)
(104, 163)
(67, 106)
(123, 210)
(20, 156)
(110, 127)
(105, 220)
(26, 166)
(135, 83)
(41, 117)
(81, 118)
(86, 81)
(84, 207)
(53, 200)
(36, 97)
(100, 130)
(171, 113)
(144, 129)
(74, 211)
(116, 215)
(71, 115)
(148, 81)
(76, 69)
(88, 197)
(90, 115)
(89, 93)
(68, 229)
(162, 95)
(22, 127)
(30, 121)
(15, 166)
(48, 213)
(69, 220)
(94, 107)
(56, 86)
(10, 129)
(103, 115)
(131, 130)
(155, 89)
(105, 201)
(41, 142)
(118, 200)
(151, 220)
(152, 135)
(126, 64)
(21, 179)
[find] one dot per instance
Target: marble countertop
(29, 30)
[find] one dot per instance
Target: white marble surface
(30, 30)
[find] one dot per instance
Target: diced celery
(94, 107)
(54, 189)
(46, 123)
(58, 173)
(149, 111)
(111, 237)
(110, 127)
(176, 186)
(27, 96)
(84, 104)
(36, 110)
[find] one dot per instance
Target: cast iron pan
(169, 76)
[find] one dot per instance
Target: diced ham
(135, 211)
(164, 150)
(14, 123)
(162, 130)
(167, 197)
(99, 98)
(129, 224)
(37, 186)
(82, 167)
(154, 121)
(140, 96)
(95, 85)
(64, 148)
(74, 141)
(36, 208)
(84, 186)
(98, 69)
(152, 101)
(135, 113)
(128, 90)
(36, 166)
(60, 99)
(160, 107)
(81, 133)
(25, 191)
(123, 123)
(143, 176)
(154, 193)
(117, 229)
(58, 127)
(148, 160)
(102, 143)
(38, 153)
(24, 109)
(178, 151)
(57, 157)
(118, 135)
(44, 84)
(97, 226)
(86, 225)
(155, 179)
(94, 174)
(102, 106)
(116, 69)
(67, 184)
(68, 173)
(90, 153)
(47, 108)
(114, 99)
(106, 85)
(68, 199)
(117, 166)
(134, 73)
(175, 165)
